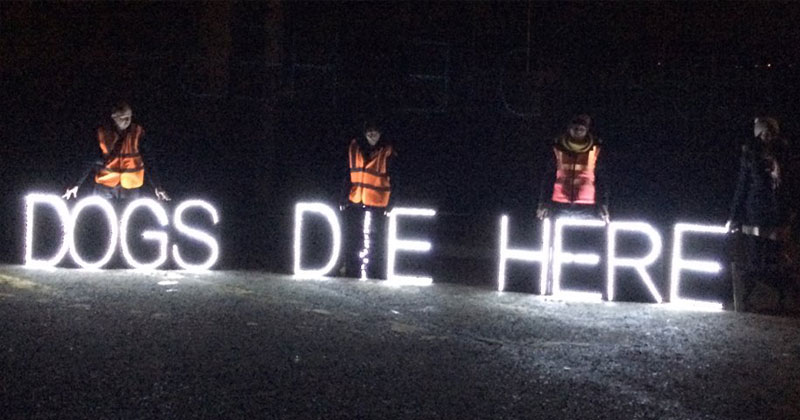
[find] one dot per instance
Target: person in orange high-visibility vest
(366, 200)
(120, 172)
(573, 183)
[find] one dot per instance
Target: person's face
(373, 136)
(122, 119)
(760, 130)
(578, 132)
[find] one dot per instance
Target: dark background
(251, 106)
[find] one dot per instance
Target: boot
(743, 285)
(738, 288)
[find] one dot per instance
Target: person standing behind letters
(573, 181)
(758, 211)
(120, 172)
(366, 200)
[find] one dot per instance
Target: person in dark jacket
(758, 212)
(574, 180)
(120, 171)
(366, 201)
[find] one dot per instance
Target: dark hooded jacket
(759, 198)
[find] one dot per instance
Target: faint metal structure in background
(429, 76)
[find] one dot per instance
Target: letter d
(54, 201)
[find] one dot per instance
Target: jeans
(117, 192)
(364, 246)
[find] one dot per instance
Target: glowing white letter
(506, 254)
(561, 257)
(63, 215)
(113, 226)
(679, 264)
(196, 234)
(158, 236)
(333, 222)
(395, 245)
(639, 264)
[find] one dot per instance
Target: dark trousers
(576, 211)
(93, 227)
(364, 248)
(96, 226)
(572, 211)
(760, 261)
(117, 193)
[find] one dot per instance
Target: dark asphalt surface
(124, 345)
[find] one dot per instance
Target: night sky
(251, 105)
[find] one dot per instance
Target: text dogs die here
(551, 255)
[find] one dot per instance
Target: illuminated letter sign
(396, 245)
(158, 236)
(550, 262)
(118, 231)
(61, 209)
(680, 264)
(333, 222)
(561, 257)
(639, 264)
(507, 254)
(196, 234)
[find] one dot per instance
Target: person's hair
(582, 119)
(119, 107)
(771, 124)
(372, 124)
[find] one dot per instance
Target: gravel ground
(119, 344)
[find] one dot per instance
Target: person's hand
(731, 226)
(783, 234)
(604, 214)
(162, 195)
(72, 192)
(342, 206)
(542, 212)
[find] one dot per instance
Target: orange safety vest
(575, 178)
(122, 163)
(369, 177)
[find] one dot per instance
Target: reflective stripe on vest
(575, 179)
(122, 163)
(369, 178)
